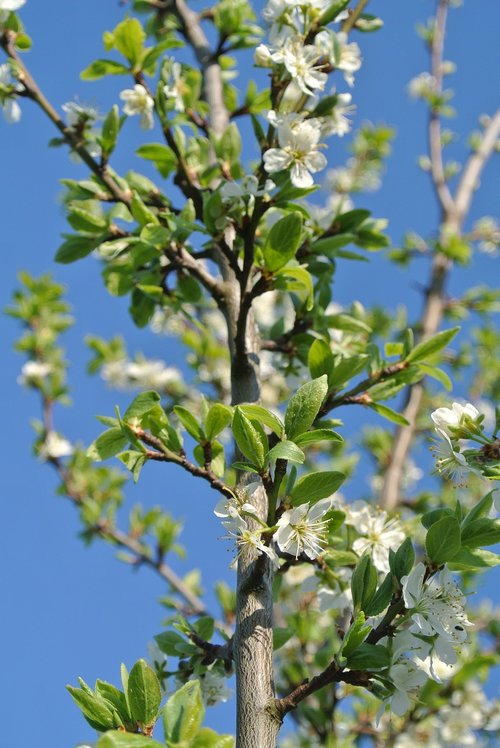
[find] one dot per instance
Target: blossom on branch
(10, 108)
(302, 529)
(138, 101)
(304, 65)
(299, 150)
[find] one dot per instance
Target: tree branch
(34, 92)
(475, 165)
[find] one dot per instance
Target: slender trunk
(256, 727)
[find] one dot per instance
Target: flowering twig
(454, 212)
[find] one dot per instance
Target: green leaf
(100, 68)
(442, 542)
(163, 158)
(115, 697)
(381, 598)
(369, 657)
(316, 486)
(476, 558)
(296, 279)
(317, 435)
(281, 636)
(320, 359)
(218, 418)
(117, 739)
(304, 406)
(142, 214)
(431, 346)
(389, 413)
(129, 37)
(133, 461)
(258, 413)
(481, 532)
(437, 374)
(110, 130)
(189, 422)
(355, 635)
(404, 558)
(363, 583)
(286, 450)
(429, 518)
(96, 711)
(168, 642)
(142, 404)
(345, 369)
(332, 11)
(482, 508)
(248, 439)
(207, 738)
(107, 445)
(184, 713)
(283, 240)
(144, 694)
(75, 248)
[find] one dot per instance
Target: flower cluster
(301, 59)
(453, 460)
(427, 647)
(302, 530)
(147, 374)
(378, 534)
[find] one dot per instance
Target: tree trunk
(256, 726)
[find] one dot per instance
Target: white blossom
(302, 529)
(238, 192)
(449, 420)
(299, 144)
(302, 64)
(464, 712)
(347, 57)
(174, 89)
(77, 113)
(450, 462)
(422, 86)
(263, 57)
(138, 101)
(380, 536)
(10, 108)
(436, 605)
(33, 371)
(238, 528)
(11, 5)
(337, 122)
(214, 689)
(55, 446)
(152, 374)
(406, 678)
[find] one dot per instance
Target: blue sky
(72, 611)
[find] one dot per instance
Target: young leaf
(183, 714)
(100, 68)
(189, 422)
(286, 450)
(248, 439)
(303, 407)
(443, 540)
(389, 413)
(356, 634)
(317, 435)
(404, 558)
(110, 130)
(265, 416)
(431, 346)
(320, 359)
(363, 583)
(142, 404)
(282, 242)
(480, 510)
(144, 694)
(218, 418)
(107, 445)
(481, 532)
(316, 486)
(369, 657)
